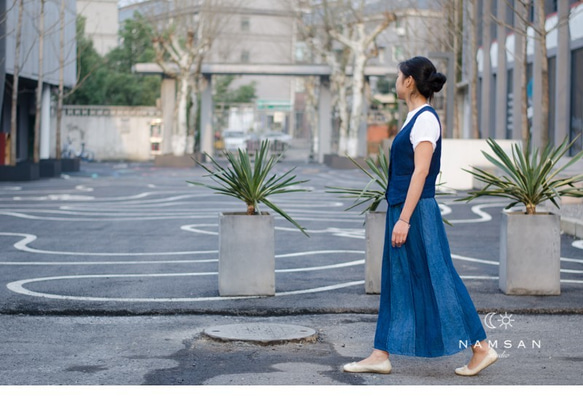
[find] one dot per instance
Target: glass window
(245, 24)
(245, 56)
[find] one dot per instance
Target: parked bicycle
(70, 152)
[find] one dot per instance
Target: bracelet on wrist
(401, 219)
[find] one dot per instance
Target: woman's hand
(400, 231)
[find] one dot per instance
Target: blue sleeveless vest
(402, 163)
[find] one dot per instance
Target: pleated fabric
(425, 309)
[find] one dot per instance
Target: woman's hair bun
(436, 81)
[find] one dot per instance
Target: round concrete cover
(261, 333)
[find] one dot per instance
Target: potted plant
(247, 239)
(529, 237)
(372, 195)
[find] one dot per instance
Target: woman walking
(425, 309)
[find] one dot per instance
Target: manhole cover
(261, 333)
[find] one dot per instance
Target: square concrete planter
(246, 255)
(70, 164)
(374, 229)
(22, 171)
(530, 247)
(50, 168)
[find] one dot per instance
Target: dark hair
(427, 79)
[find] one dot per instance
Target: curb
(573, 227)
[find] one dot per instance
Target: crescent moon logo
(488, 320)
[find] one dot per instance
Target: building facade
(29, 67)
(500, 84)
(101, 23)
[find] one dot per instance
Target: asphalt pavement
(109, 278)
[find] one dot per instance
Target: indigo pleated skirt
(425, 309)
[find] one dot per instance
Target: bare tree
(361, 41)
(338, 32)
(61, 90)
(185, 36)
(39, 88)
(535, 30)
(16, 76)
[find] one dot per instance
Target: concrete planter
(50, 168)
(246, 255)
(530, 254)
(22, 171)
(375, 241)
(70, 164)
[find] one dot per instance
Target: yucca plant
(374, 191)
(248, 180)
(528, 177)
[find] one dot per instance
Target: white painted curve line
(22, 245)
(484, 216)
(18, 287)
(578, 244)
(477, 260)
(445, 210)
(144, 217)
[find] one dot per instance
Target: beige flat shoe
(380, 368)
(490, 359)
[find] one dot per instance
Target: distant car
(234, 140)
(276, 135)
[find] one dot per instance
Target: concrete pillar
(324, 118)
(501, 74)
(485, 123)
(45, 123)
(206, 116)
(168, 101)
(563, 76)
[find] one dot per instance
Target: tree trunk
(474, 69)
(39, 87)
(14, 108)
(357, 101)
(524, 79)
(342, 106)
(61, 78)
(179, 135)
(544, 70)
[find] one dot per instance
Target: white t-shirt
(425, 129)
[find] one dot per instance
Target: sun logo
(505, 320)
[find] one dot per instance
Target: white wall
(457, 154)
(111, 133)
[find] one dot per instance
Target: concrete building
(499, 83)
(101, 24)
(28, 76)
(255, 32)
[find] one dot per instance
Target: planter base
(246, 255)
(22, 171)
(50, 168)
(530, 254)
(375, 242)
(70, 164)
